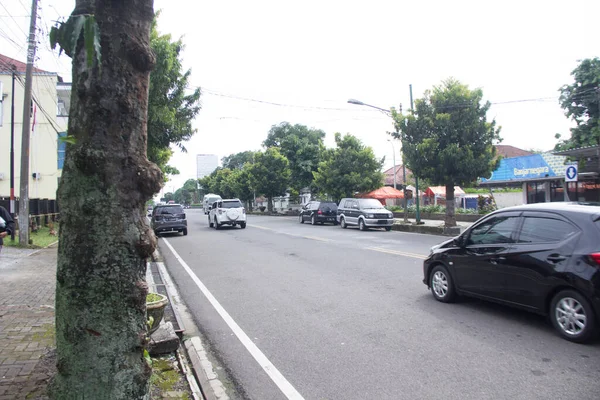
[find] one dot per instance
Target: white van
(208, 200)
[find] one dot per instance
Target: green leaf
(70, 139)
(54, 33)
(91, 35)
(74, 27)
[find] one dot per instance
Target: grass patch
(40, 238)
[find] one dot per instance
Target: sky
(261, 63)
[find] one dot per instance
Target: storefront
(541, 176)
(587, 187)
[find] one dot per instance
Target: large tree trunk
(270, 204)
(450, 209)
(104, 238)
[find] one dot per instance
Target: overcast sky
(310, 57)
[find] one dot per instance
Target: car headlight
(370, 216)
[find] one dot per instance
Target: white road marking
(286, 387)
(397, 253)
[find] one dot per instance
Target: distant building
(206, 164)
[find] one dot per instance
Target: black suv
(318, 211)
(168, 218)
(543, 258)
(364, 213)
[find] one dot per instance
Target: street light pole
(394, 160)
(415, 173)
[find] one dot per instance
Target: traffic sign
(571, 173)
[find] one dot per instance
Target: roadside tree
(237, 160)
(302, 146)
(270, 174)
(104, 239)
(448, 140)
(348, 169)
(581, 102)
(171, 106)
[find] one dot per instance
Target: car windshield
(171, 210)
(370, 203)
(328, 206)
(231, 204)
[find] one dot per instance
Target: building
(587, 186)
(44, 171)
(206, 164)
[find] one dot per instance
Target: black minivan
(318, 212)
(543, 258)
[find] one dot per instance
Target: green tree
(171, 107)
(270, 174)
(191, 186)
(237, 160)
(349, 168)
(581, 102)
(448, 140)
(242, 184)
(100, 279)
(303, 147)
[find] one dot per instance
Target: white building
(44, 169)
(206, 164)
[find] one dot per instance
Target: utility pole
(24, 189)
(418, 219)
(12, 151)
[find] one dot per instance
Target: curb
(202, 376)
(431, 230)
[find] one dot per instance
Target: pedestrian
(7, 225)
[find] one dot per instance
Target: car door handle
(555, 258)
(496, 260)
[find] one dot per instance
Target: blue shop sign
(534, 166)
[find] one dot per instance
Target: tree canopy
(237, 160)
(302, 147)
(448, 140)
(349, 168)
(171, 108)
(581, 102)
(270, 174)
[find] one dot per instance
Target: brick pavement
(27, 284)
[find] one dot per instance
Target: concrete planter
(156, 310)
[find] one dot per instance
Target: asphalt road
(343, 314)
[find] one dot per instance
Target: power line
(14, 20)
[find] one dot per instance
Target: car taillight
(595, 257)
(319, 212)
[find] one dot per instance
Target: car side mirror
(459, 241)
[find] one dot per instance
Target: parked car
(168, 218)
(227, 212)
(364, 213)
(319, 212)
(208, 200)
(543, 258)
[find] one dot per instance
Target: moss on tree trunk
(104, 238)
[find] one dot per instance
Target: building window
(536, 192)
(62, 146)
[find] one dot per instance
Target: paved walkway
(27, 284)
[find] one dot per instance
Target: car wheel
(441, 284)
(217, 226)
(343, 223)
(388, 228)
(210, 224)
(313, 221)
(572, 316)
(300, 219)
(185, 232)
(243, 225)
(361, 225)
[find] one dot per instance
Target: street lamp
(388, 113)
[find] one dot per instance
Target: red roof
(6, 65)
(507, 151)
(440, 191)
(385, 192)
(389, 175)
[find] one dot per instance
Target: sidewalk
(27, 284)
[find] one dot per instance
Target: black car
(318, 212)
(543, 258)
(168, 218)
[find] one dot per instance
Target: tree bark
(270, 204)
(104, 239)
(450, 209)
